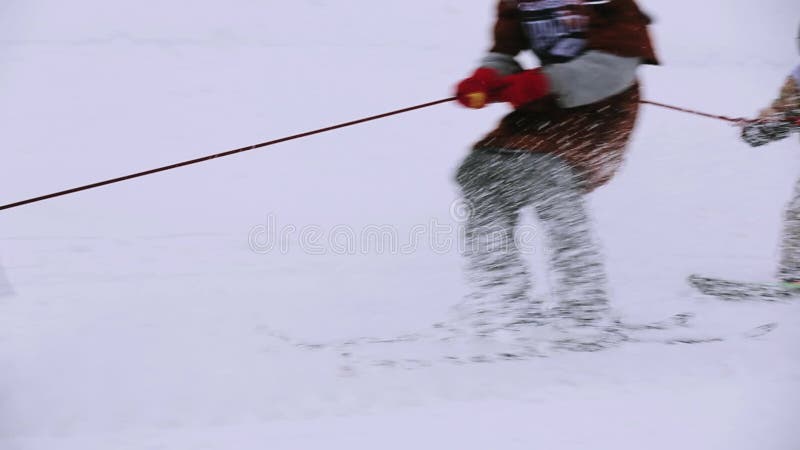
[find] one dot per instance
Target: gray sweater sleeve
(591, 77)
(502, 63)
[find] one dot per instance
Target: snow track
(143, 314)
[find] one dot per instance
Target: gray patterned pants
(496, 186)
(789, 269)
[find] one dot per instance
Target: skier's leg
(498, 277)
(789, 269)
(575, 257)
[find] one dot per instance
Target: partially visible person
(780, 119)
(777, 122)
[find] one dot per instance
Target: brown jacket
(591, 138)
(788, 102)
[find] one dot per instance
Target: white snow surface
(140, 315)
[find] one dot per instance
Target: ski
(444, 345)
(742, 291)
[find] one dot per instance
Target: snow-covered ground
(142, 312)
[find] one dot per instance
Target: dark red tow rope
(736, 120)
(219, 155)
(294, 137)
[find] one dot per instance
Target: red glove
(524, 87)
(479, 89)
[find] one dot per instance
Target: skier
(775, 123)
(567, 135)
